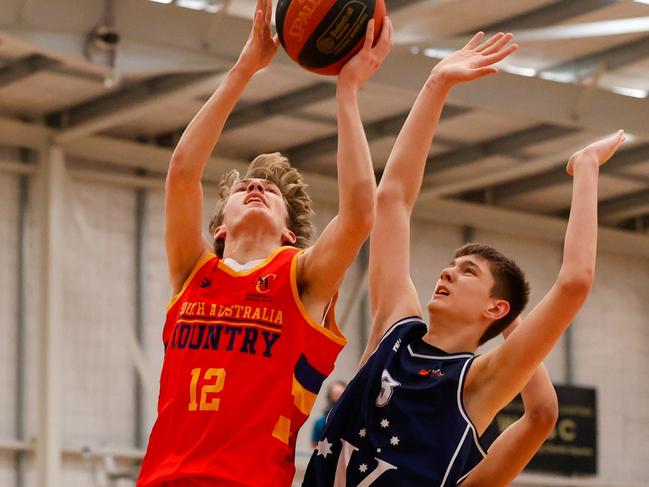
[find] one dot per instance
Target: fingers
(475, 41)
(269, 12)
(261, 5)
(261, 28)
(369, 36)
(497, 45)
(498, 56)
(489, 42)
(258, 24)
(384, 43)
(620, 139)
(260, 9)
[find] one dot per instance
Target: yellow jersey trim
(303, 399)
(225, 268)
(282, 429)
(209, 256)
(332, 331)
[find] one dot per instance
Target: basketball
(322, 35)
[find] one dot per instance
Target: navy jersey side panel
(400, 422)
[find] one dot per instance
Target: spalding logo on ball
(322, 35)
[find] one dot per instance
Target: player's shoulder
(401, 331)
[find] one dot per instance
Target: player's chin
(436, 303)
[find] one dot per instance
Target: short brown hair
(510, 284)
(277, 169)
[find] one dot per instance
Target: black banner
(572, 447)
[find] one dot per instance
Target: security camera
(105, 37)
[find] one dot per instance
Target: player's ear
(498, 308)
(288, 237)
(220, 232)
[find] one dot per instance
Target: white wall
(8, 295)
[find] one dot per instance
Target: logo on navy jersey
(205, 283)
(264, 282)
(387, 389)
(437, 373)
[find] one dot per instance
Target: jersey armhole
(209, 256)
(328, 326)
(460, 405)
(391, 329)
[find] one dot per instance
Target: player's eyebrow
(470, 263)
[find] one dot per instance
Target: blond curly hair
(277, 169)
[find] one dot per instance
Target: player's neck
(248, 247)
(451, 337)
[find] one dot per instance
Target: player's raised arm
(392, 293)
(496, 377)
(516, 446)
(184, 239)
(323, 266)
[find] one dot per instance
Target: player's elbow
(389, 198)
(577, 283)
(544, 416)
(180, 170)
(360, 219)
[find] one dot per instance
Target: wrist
(584, 160)
(241, 72)
(347, 89)
(438, 81)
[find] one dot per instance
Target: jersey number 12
(213, 381)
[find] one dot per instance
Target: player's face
(255, 202)
(463, 290)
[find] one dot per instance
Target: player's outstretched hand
(599, 152)
(474, 60)
(261, 46)
(368, 60)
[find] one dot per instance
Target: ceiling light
(209, 6)
(632, 92)
(438, 53)
(519, 70)
(561, 77)
(192, 4)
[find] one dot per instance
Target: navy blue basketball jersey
(401, 421)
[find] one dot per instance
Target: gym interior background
(94, 95)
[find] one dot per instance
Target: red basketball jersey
(243, 364)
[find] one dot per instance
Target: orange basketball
(322, 35)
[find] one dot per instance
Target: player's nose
(446, 275)
(255, 185)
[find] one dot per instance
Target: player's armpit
(392, 293)
(508, 456)
(516, 446)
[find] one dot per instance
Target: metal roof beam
(622, 159)
(625, 204)
(283, 104)
(612, 58)
(546, 15)
(17, 70)
(373, 130)
(509, 144)
(126, 104)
